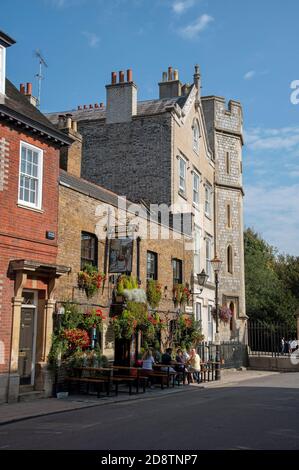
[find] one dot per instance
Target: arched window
(229, 259)
(196, 136)
(228, 213)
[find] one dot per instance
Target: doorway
(27, 344)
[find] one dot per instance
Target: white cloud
(63, 3)
(249, 75)
(285, 138)
(194, 29)
(273, 212)
(92, 38)
(180, 6)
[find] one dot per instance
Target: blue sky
(246, 50)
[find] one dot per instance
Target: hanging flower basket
(225, 314)
(181, 294)
(90, 280)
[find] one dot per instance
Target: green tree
(268, 295)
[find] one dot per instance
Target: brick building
(29, 169)
(185, 151)
(82, 205)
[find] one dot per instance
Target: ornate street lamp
(202, 279)
(216, 263)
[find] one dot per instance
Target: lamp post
(216, 263)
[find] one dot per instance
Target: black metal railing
(273, 339)
(233, 354)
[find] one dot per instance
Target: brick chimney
(5, 42)
(170, 87)
(121, 98)
(70, 157)
(28, 93)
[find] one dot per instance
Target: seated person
(167, 360)
(148, 360)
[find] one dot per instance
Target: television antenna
(39, 75)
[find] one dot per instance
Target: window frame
(182, 188)
(155, 273)
(95, 261)
(208, 200)
(195, 175)
(39, 178)
(208, 258)
(196, 257)
(228, 216)
(179, 263)
(195, 136)
(227, 163)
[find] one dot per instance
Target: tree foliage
(271, 280)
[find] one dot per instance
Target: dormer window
(196, 136)
(2, 69)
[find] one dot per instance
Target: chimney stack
(170, 87)
(22, 88)
(121, 98)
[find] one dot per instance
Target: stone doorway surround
(26, 272)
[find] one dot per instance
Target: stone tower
(224, 126)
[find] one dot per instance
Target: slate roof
(16, 106)
(144, 108)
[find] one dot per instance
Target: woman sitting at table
(148, 360)
(194, 362)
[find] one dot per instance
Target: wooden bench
(88, 380)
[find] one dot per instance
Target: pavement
(14, 412)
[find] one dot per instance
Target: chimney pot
(74, 126)
(113, 78)
(96, 105)
(90, 106)
(68, 121)
(101, 105)
(121, 76)
(85, 106)
(22, 88)
(169, 74)
(129, 75)
(29, 89)
(175, 74)
(61, 119)
(79, 108)
(164, 76)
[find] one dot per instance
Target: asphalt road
(257, 414)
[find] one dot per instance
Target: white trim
(194, 175)
(35, 293)
(39, 177)
(2, 70)
(183, 189)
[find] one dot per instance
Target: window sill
(208, 216)
(34, 209)
(196, 206)
(182, 194)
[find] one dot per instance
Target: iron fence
(233, 354)
(273, 339)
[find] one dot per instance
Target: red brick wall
(23, 231)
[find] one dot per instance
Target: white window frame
(196, 190)
(198, 312)
(208, 200)
(182, 188)
(208, 256)
(197, 239)
(38, 204)
(2, 69)
(196, 136)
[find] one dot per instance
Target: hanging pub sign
(120, 255)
